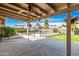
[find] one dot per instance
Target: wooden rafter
(11, 11)
(11, 6)
(4, 12)
(20, 10)
(11, 16)
(2, 17)
(41, 9)
(72, 8)
(23, 7)
(52, 6)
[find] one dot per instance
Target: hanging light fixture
(29, 10)
(29, 7)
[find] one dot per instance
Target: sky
(57, 20)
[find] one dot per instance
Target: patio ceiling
(39, 10)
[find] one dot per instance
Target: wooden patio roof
(39, 10)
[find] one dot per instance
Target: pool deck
(22, 46)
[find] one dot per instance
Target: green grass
(75, 38)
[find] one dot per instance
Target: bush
(7, 31)
(55, 30)
(76, 31)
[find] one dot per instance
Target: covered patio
(31, 12)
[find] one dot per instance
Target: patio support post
(40, 32)
(27, 30)
(28, 24)
(0, 26)
(68, 32)
(34, 32)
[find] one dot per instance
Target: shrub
(7, 31)
(55, 30)
(76, 31)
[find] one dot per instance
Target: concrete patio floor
(41, 47)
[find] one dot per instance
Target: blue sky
(58, 19)
(12, 22)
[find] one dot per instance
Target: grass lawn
(75, 38)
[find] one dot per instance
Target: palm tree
(46, 23)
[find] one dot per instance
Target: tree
(46, 23)
(63, 25)
(38, 26)
(73, 23)
(7, 31)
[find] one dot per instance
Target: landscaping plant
(7, 31)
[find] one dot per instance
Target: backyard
(75, 38)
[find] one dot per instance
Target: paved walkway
(41, 47)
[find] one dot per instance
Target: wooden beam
(53, 7)
(34, 13)
(3, 8)
(71, 8)
(72, 4)
(21, 7)
(11, 14)
(10, 10)
(69, 32)
(38, 14)
(2, 17)
(41, 9)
